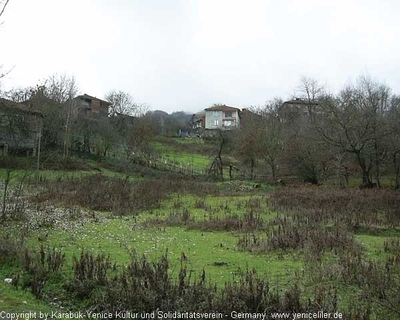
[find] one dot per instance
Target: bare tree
(43, 98)
(376, 97)
(54, 97)
(310, 92)
(137, 142)
(71, 91)
(271, 131)
(216, 169)
(247, 146)
(354, 121)
(260, 137)
(105, 136)
(310, 89)
(142, 109)
(61, 88)
(122, 103)
(3, 5)
(393, 140)
(5, 193)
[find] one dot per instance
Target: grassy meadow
(103, 240)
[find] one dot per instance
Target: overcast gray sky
(188, 54)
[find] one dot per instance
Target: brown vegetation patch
(121, 196)
(345, 207)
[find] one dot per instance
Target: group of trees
(128, 129)
(325, 135)
(318, 136)
(65, 126)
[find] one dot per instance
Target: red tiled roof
(86, 96)
(222, 108)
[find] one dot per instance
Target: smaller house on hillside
(91, 107)
(249, 118)
(197, 121)
(123, 122)
(20, 127)
(222, 117)
(295, 109)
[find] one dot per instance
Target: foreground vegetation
(109, 242)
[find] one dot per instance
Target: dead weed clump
(229, 222)
(291, 236)
(378, 281)
(39, 267)
(174, 219)
(352, 208)
(145, 286)
(91, 274)
(392, 246)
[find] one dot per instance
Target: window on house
(228, 114)
(216, 123)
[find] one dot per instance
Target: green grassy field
(350, 236)
(214, 251)
(198, 160)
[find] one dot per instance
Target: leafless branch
(4, 7)
(2, 75)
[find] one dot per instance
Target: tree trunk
(377, 165)
(219, 157)
(396, 169)
(366, 179)
(251, 169)
(273, 171)
(6, 183)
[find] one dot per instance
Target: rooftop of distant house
(19, 106)
(88, 97)
(222, 108)
(300, 101)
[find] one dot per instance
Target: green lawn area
(155, 232)
(214, 251)
(169, 153)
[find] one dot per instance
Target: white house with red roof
(222, 117)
